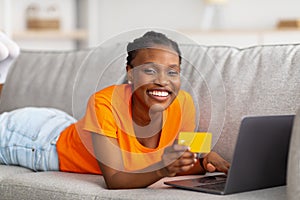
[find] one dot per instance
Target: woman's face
(155, 77)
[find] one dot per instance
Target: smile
(158, 93)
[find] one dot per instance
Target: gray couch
(227, 83)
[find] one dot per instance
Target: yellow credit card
(199, 142)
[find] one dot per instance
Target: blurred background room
(74, 24)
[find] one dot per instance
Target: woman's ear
(129, 74)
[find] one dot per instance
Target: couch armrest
(293, 171)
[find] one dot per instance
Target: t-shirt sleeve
(188, 113)
(99, 118)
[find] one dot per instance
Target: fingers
(177, 147)
(213, 162)
(178, 158)
(174, 152)
(178, 167)
(210, 167)
(223, 167)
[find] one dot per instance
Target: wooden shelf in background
(50, 34)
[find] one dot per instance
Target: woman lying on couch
(128, 133)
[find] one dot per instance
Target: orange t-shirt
(109, 113)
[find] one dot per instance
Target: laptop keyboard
(211, 180)
(214, 186)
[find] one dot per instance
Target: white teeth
(159, 93)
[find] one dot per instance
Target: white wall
(262, 14)
(110, 17)
(115, 16)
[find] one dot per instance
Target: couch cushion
(59, 185)
(41, 79)
(230, 83)
(63, 80)
(51, 185)
(7, 171)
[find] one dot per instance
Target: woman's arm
(175, 160)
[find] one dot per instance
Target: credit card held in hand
(199, 142)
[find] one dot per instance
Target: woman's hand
(177, 159)
(213, 162)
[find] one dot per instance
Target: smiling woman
(155, 78)
(129, 131)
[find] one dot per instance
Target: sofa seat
(62, 185)
(8, 171)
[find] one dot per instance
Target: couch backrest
(227, 83)
(62, 80)
(260, 80)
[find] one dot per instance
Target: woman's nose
(161, 78)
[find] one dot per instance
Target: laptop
(259, 159)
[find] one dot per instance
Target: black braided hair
(148, 40)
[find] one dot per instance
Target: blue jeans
(28, 137)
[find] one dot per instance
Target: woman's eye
(149, 71)
(173, 73)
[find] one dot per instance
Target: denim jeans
(28, 137)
